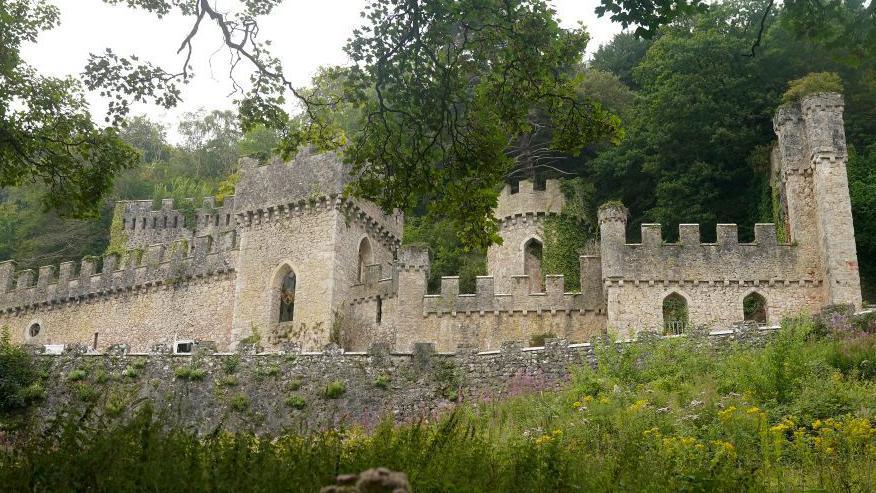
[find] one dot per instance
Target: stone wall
(274, 392)
(142, 226)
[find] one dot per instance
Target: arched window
(532, 253)
(754, 308)
(674, 314)
(365, 258)
(287, 297)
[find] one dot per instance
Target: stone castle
(290, 260)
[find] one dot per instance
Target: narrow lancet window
(674, 314)
(532, 254)
(287, 298)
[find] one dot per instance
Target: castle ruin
(291, 260)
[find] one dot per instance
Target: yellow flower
(638, 405)
(576, 405)
(653, 431)
(816, 424)
(753, 410)
(726, 414)
(588, 399)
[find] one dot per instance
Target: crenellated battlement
(157, 265)
(145, 224)
(521, 299)
(525, 199)
(764, 259)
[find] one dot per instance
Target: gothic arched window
(532, 254)
(754, 308)
(365, 258)
(287, 297)
(674, 314)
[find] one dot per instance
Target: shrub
(189, 373)
(294, 384)
(335, 389)
(85, 392)
(17, 374)
(854, 354)
(295, 401)
(115, 405)
(812, 83)
(227, 381)
(131, 372)
(139, 363)
(239, 402)
(382, 381)
(268, 371)
(230, 364)
(77, 375)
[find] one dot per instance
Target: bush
(77, 375)
(131, 372)
(239, 402)
(230, 364)
(189, 373)
(295, 401)
(17, 375)
(335, 389)
(811, 84)
(382, 381)
(855, 354)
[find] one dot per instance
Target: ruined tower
(521, 212)
(811, 159)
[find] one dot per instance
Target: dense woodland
(695, 104)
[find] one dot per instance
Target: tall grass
(668, 415)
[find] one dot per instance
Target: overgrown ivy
(118, 240)
(568, 234)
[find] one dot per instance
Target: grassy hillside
(667, 415)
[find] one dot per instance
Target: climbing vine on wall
(118, 241)
(568, 235)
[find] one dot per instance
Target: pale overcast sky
(305, 34)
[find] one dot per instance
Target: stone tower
(811, 161)
(521, 213)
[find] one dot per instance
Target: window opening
(532, 255)
(287, 298)
(675, 317)
(754, 308)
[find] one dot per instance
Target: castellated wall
(485, 318)
(713, 278)
(143, 225)
(158, 296)
(521, 216)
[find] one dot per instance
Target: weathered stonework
(273, 392)
(291, 260)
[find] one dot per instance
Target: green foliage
(335, 389)
(230, 364)
(189, 372)
(539, 339)
(437, 126)
(295, 401)
(85, 393)
(239, 402)
(448, 254)
(658, 415)
(268, 371)
(118, 237)
(48, 133)
(19, 385)
(812, 83)
(382, 381)
(862, 191)
(77, 375)
(131, 373)
(569, 234)
(227, 381)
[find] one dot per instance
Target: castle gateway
(289, 259)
